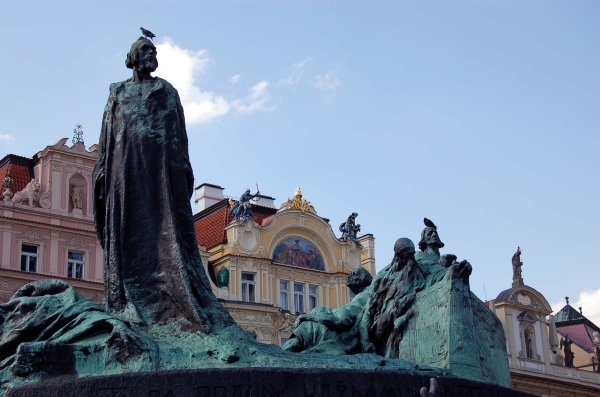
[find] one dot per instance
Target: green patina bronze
(223, 277)
(418, 315)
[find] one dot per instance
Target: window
(283, 295)
(313, 297)
(75, 264)
(29, 258)
(299, 297)
(283, 340)
(248, 287)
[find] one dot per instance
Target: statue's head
(430, 238)
(359, 279)
(142, 55)
(404, 247)
(247, 190)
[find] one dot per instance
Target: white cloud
(327, 81)
(235, 79)
(296, 74)
(589, 301)
(181, 67)
(7, 137)
(257, 99)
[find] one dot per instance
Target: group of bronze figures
(157, 293)
(375, 319)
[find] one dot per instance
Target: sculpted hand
(464, 268)
(433, 389)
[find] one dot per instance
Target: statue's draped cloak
(143, 182)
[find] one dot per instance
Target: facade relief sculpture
(45, 197)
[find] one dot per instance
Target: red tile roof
(210, 228)
(210, 223)
(21, 169)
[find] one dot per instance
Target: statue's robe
(143, 182)
(389, 307)
(430, 265)
(46, 325)
(316, 337)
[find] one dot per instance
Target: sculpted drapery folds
(143, 182)
(394, 292)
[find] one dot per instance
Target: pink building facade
(46, 220)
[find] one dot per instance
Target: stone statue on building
(241, 210)
(76, 197)
(8, 182)
(565, 343)
(350, 229)
(516, 265)
(31, 193)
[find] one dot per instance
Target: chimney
(264, 201)
(208, 195)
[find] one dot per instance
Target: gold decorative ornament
(298, 203)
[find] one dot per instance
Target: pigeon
(428, 223)
(148, 33)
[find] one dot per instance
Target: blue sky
(482, 116)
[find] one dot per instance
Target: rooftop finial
(580, 310)
(567, 299)
(77, 134)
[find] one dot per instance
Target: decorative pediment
(527, 317)
(31, 235)
(77, 242)
(298, 203)
(524, 298)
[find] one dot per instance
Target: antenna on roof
(77, 134)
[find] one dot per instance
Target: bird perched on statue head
(429, 223)
(148, 33)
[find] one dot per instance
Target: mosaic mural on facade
(295, 251)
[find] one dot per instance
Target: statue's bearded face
(432, 238)
(146, 59)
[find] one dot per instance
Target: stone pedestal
(262, 382)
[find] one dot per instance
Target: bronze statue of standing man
(143, 182)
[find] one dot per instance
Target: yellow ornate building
(285, 262)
